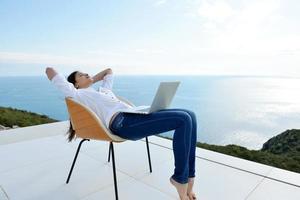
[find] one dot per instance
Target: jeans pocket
(118, 122)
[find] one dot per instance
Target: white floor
(35, 161)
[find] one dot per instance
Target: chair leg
(78, 149)
(148, 151)
(109, 150)
(114, 170)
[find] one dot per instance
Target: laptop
(164, 95)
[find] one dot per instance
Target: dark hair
(71, 131)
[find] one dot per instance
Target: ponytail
(71, 133)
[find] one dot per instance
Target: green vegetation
(291, 163)
(282, 151)
(286, 143)
(11, 116)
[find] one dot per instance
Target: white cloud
(247, 29)
(218, 37)
(217, 11)
(150, 51)
(35, 58)
(160, 2)
(136, 61)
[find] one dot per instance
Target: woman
(134, 126)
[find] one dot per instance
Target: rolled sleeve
(108, 80)
(61, 83)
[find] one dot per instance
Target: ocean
(242, 110)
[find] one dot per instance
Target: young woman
(135, 126)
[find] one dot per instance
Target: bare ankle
(181, 188)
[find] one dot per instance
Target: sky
(205, 37)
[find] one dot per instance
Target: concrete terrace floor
(35, 161)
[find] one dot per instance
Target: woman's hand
(100, 75)
(50, 72)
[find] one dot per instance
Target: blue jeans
(135, 126)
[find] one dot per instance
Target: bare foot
(190, 192)
(181, 189)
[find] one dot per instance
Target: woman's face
(83, 80)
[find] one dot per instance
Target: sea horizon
(230, 109)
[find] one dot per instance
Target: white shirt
(103, 102)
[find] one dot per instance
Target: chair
(88, 126)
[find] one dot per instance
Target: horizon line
(215, 75)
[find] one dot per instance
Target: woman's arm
(100, 75)
(61, 83)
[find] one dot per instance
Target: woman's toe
(192, 196)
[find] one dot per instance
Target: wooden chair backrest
(87, 124)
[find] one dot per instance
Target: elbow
(50, 72)
(48, 69)
(109, 71)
